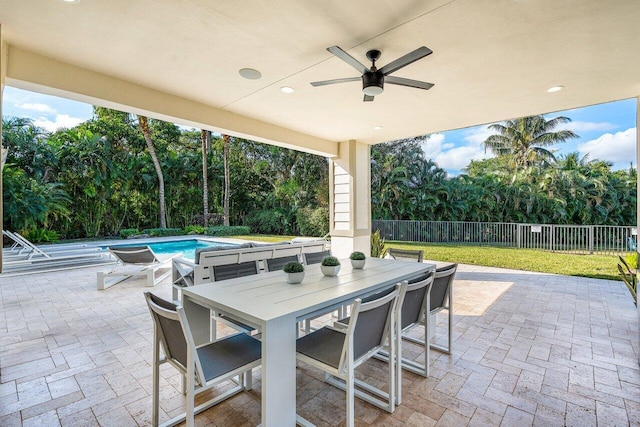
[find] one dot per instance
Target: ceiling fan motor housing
(372, 83)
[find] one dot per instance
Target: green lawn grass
(596, 266)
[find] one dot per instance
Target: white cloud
(452, 158)
(37, 107)
(433, 145)
(617, 147)
(459, 157)
(579, 126)
(478, 135)
(61, 121)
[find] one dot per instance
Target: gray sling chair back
(202, 367)
(405, 254)
(231, 271)
(277, 264)
(316, 257)
(442, 299)
(339, 351)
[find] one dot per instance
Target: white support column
(3, 75)
(350, 199)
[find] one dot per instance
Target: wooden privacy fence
(577, 239)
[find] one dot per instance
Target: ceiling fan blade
(401, 81)
(405, 60)
(367, 98)
(334, 81)
(348, 59)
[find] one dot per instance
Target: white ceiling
(492, 60)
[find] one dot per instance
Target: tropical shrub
(313, 221)
(163, 232)
(378, 249)
(266, 222)
(125, 233)
(40, 235)
(194, 229)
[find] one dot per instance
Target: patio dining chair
(230, 359)
(442, 299)
(338, 352)
(231, 271)
(405, 254)
(315, 257)
(135, 261)
(411, 312)
(277, 264)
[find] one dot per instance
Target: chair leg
(190, 403)
(350, 397)
(248, 385)
(156, 380)
(450, 318)
(394, 383)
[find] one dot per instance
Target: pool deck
(529, 349)
(65, 256)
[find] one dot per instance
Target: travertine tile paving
(529, 349)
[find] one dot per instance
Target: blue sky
(607, 131)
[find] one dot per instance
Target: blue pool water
(186, 247)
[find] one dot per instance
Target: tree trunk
(144, 126)
(205, 135)
(227, 179)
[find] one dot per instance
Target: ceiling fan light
(372, 90)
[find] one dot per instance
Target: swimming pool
(186, 247)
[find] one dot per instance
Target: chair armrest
(185, 262)
(338, 327)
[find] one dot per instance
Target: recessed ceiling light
(250, 73)
(71, 1)
(377, 128)
(555, 89)
(287, 89)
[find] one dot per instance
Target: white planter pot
(358, 263)
(294, 278)
(328, 270)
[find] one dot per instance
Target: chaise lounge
(135, 261)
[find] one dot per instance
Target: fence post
(552, 240)
(591, 239)
(519, 236)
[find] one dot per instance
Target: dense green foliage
(98, 179)
(569, 190)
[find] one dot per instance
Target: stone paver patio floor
(529, 349)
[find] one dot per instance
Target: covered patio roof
(179, 61)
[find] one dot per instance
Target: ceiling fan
(373, 79)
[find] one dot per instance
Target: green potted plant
(294, 272)
(357, 260)
(330, 266)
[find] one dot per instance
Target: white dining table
(267, 302)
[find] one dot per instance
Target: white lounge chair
(135, 261)
(21, 245)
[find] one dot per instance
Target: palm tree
(525, 139)
(144, 126)
(227, 179)
(205, 136)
